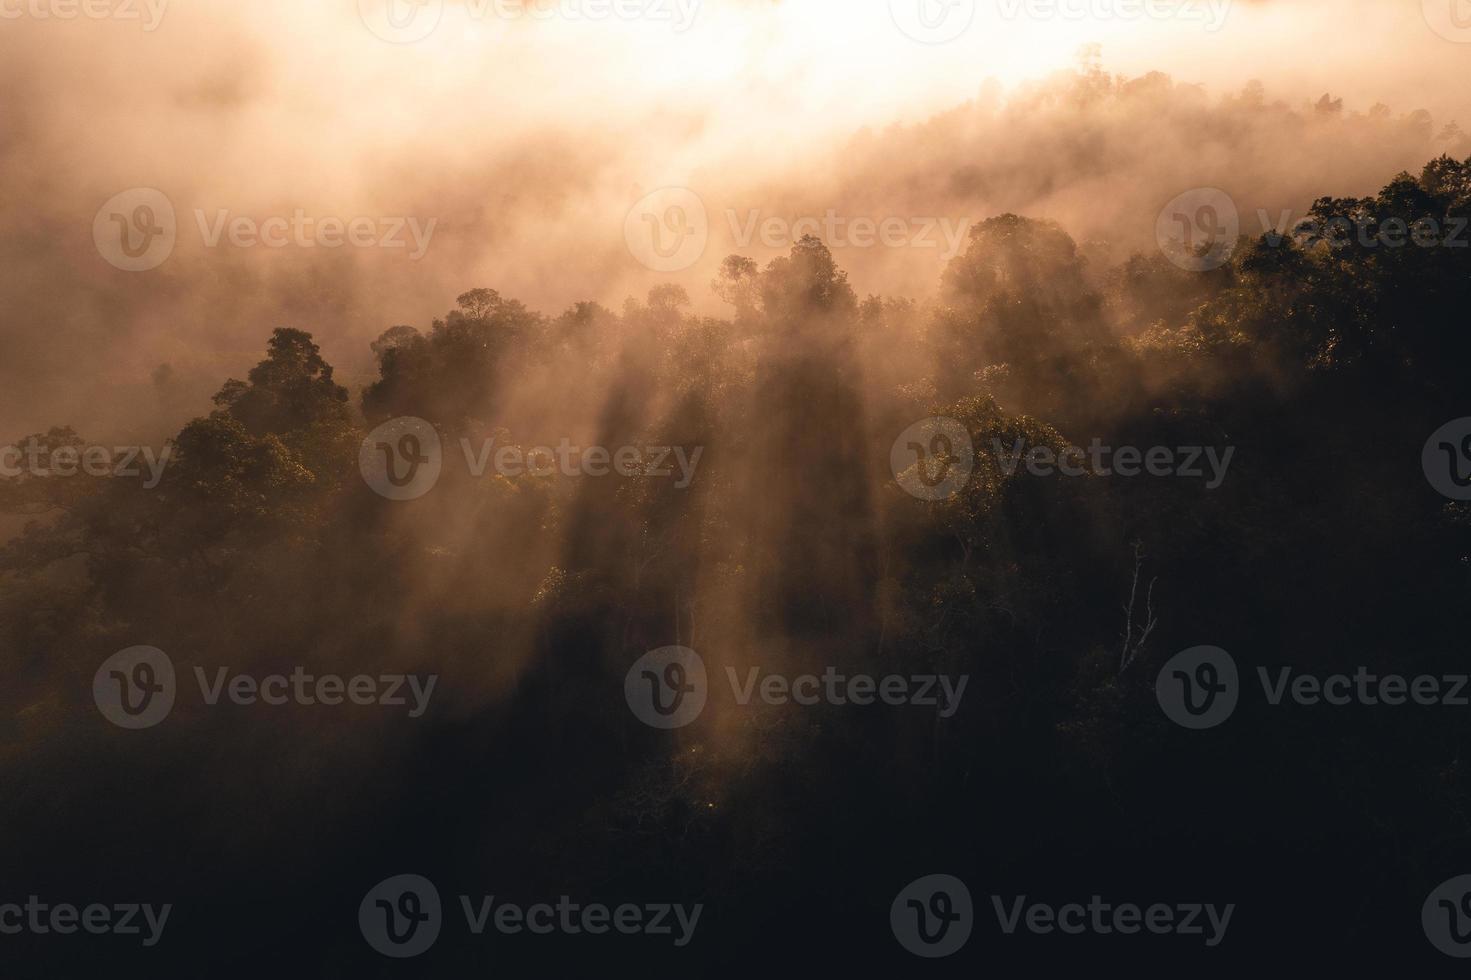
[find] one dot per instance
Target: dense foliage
(1325, 363)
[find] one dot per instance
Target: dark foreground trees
(1324, 358)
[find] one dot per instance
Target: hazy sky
(525, 140)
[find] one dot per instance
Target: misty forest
(1322, 361)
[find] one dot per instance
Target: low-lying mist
(518, 145)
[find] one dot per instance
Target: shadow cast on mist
(793, 549)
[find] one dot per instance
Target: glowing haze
(525, 140)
